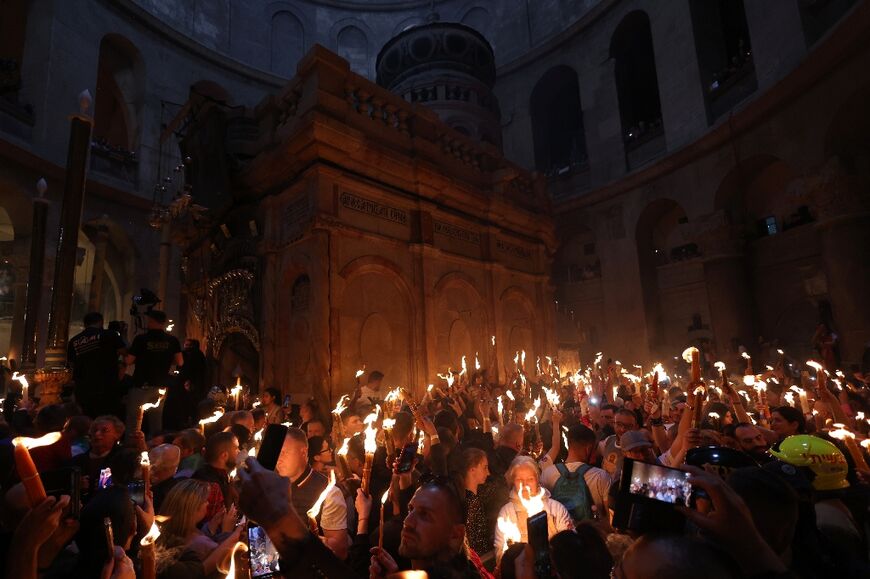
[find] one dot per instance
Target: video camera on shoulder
(648, 498)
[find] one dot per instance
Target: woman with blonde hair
(182, 547)
(528, 498)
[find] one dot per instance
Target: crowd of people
(605, 471)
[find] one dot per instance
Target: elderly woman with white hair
(528, 498)
(164, 460)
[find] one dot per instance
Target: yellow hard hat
(820, 456)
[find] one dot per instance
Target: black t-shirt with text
(93, 355)
(155, 352)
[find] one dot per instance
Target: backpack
(571, 490)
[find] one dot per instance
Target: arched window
(300, 297)
(724, 53)
(287, 42)
(353, 46)
(117, 108)
(557, 123)
(636, 80)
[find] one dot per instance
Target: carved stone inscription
(369, 207)
(513, 250)
(448, 230)
(294, 216)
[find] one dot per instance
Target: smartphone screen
(659, 483)
(136, 488)
(263, 554)
(538, 534)
(406, 461)
(270, 450)
(105, 478)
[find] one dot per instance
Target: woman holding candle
(181, 542)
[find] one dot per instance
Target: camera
(142, 304)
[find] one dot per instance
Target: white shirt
(595, 478)
(558, 520)
(333, 516)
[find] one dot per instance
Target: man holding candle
(106, 432)
(307, 485)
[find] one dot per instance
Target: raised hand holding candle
(848, 437)
(318, 504)
(146, 552)
(371, 446)
(27, 469)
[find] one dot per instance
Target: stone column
(101, 241)
(68, 232)
(841, 202)
(728, 290)
(30, 341)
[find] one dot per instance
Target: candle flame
(344, 447)
(535, 503)
(236, 470)
(746, 355)
(598, 357)
(552, 397)
(714, 415)
(749, 380)
(510, 531)
(448, 377)
(144, 459)
(719, 366)
(258, 436)
(840, 432)
(789, 397)
(359, 373)
(213, 418)
(859, 415)
(430, 387)
(523, 358)
(688, 352)
(815, 365)
(389, 423)
(342, 404)
(517, 358)
(151, 537)
(510, 394)
(866, 443)
(22, 379)
(150, 405)
(371, 444)
(31, 443)
(476, 362)
(318, 504)
(500, 408)
(384, 497)
(464, 367)
(780, 352)
(493, 340)
(231, 573)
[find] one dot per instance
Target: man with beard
(220, 458)
(432, 536)
(751, 441)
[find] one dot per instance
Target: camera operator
(153, 353)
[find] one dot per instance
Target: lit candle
(802, 395)
(146, 552)
(236, 393)
(148, 406)
(848, 437)
(22, 379)
(381, 526)
(371, 446)
(213, 418)
(342, 460)
(231, 572)
(693, 356)
(27, 469)
(318, 504)
(145, 463)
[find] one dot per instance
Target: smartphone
(136, 488)
(105, 478)
(539, 541)
(406, 459)
(264, 558)
(648, 497)
(656, 482)
(270, 449)
(65, 481)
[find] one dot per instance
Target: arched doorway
(237, 357)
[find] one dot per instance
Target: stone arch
(663, 241)
(374, 304)
(755, 194)
(352, 44)
(120, 94)
(519, 327)
(557, 121)
(637, 88)
(287, 43)
(461, 321)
